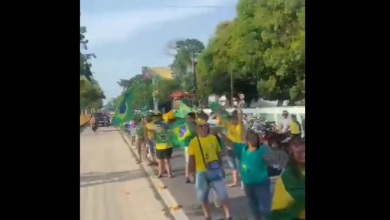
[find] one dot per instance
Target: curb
(174, 207)
(82, 127)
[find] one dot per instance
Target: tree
(110, 105)
(91, 95)
(162, 87)
(185, 51)
(264, 44)
(166, 87)
(85, 66)
(216, 66)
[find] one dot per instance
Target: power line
(199, 6)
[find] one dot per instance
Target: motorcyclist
(107, 120)
(92, 123)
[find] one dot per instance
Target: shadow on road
(100, 130)
(96, 178)
(238, 209)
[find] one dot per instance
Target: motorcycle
(268, 135)
(274, 139)
(94, 127)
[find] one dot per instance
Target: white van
(271, 113)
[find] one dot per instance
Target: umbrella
(178, 94)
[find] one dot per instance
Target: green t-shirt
(163, 137)
(140, 130)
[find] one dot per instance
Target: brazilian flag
(182, 132)
(182, 111)
(125, 111)
(220, 110)
(288, 201)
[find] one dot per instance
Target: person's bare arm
(275, 156)
(146, 134)
(239, 114)
(191, 164)
(228, 143)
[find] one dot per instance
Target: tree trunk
(279, 103)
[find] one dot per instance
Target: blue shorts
(259, 199)
(152, 146)
(231, 160)
(203, 188)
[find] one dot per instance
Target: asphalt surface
(112, 185)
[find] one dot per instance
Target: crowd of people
(248, 157)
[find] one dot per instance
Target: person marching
(288, 202)
(235, 131)
(139, 139)
(205, 168)
(254, 159)
(191, 119)
(149, 130)
(163, 140)
(295, 127)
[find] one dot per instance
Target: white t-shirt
(285, 122)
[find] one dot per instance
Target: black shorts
(164, 154)
(296, 136)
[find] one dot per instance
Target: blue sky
(126, 35)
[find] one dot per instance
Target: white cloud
(115, 27)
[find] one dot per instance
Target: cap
(199, 121)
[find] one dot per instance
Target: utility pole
(193, 66)
(231, 87)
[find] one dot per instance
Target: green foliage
(143, 86)
(185, 50)
(264, 45)
(110, 105)
(85, 66)
(162, 88)
(166, 87)
(91, 94)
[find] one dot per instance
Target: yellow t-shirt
(282, 199)
(294, 128)
(150, 126)
(234, 132)
(218, 121)
(210, 148)
(163, 146)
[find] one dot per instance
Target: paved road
(112, 185)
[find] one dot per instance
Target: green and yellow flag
(182, 132)
(125, 110)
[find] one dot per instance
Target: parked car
(101, 119)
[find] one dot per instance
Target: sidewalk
(112, 185)
(180, 195)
